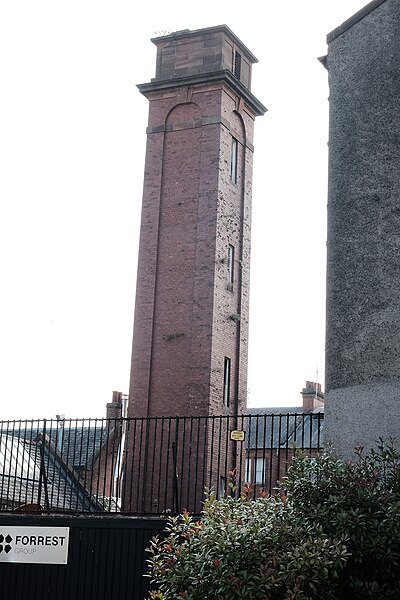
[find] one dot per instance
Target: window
(16, 460)
(237, 65)
(255, 471)
(247, 473)
(260, 470)
(230, 263)
(227, 380)
(222, 487)
(234, 160)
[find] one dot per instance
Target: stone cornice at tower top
(358, 16)
(224, 76)
(208, 30)
(201, 56)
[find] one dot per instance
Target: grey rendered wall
(363, 262)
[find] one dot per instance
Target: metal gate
(106, 560)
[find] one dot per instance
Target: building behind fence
(82, 466)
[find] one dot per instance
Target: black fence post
(43, 476)
(176, 477)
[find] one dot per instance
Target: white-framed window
(256, 471)
(247, 470)
(260, 470)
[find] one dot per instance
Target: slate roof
(284, 428)
(22, 480)
(80, 441)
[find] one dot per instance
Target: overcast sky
(72, 142)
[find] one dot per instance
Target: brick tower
(190, 337)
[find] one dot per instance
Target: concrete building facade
(363, 262)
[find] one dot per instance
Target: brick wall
(187, 320)
(187, 317)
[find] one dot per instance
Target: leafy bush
(360, 500)
(244, 549)
(336, 536)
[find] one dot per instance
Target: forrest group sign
(42, 545)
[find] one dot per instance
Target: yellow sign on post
(238, 436)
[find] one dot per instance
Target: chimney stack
(114, 408)
(313, 397)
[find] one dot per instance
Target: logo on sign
(8, 539)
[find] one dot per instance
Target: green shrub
(244, 549)
(337, 536)
(360, 500)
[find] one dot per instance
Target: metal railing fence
(151, 466)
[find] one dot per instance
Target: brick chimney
(114, 408)
(313, 397)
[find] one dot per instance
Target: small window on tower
(227, 380)
(234, 160)
(237, 67)
(230, 263)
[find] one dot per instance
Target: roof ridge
(358, 16)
